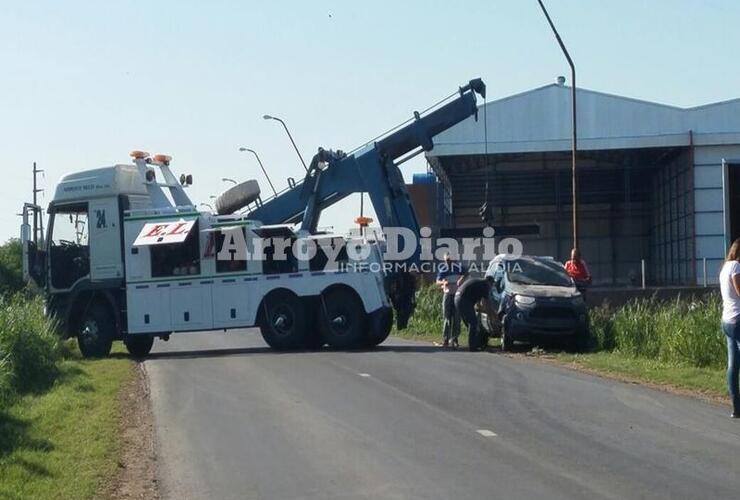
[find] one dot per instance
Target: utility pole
(573, 110)
(37, 219)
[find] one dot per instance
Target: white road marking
(363, 374)
(486, 433)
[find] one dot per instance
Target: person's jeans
(451, 325)
(732, 332)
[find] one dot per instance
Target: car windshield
(537, 272)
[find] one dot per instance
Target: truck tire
(139, 346)
(96, 331)
(342, 320)
(283, 324)
(376, 335)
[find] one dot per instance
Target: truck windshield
(537, 272)
(68, 245)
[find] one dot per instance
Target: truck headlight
(524, 300)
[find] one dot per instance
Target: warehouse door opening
(732, 200)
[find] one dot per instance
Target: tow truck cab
(82, 255)
(128, 257)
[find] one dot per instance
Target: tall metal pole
(575, 133)
(36, 212)
(268, 117)
(261, 166)
(35, 216)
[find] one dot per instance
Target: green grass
(708, 381)
(29, 348)
(63, 442)
(677, 343)
(426, 322)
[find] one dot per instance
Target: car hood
(543, 291)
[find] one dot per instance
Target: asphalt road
(235, 420)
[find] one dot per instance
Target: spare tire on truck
(283, 320)
(342, 318)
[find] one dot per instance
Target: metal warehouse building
(655, 182)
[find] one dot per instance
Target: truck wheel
(283, 324)
(139, 346)
(96, 331)
(377, 335)
(343, 319)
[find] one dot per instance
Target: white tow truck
(128, 257)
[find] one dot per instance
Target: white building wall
(709, 213)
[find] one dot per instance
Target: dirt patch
(136, 474)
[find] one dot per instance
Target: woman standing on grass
(729, 281)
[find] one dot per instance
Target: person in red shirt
(578, 270)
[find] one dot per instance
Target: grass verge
(676, 345)
(63, 442)
(706, 382)
(709, 382)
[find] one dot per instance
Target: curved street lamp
(573, 110)
(261, 166)
(226, 179)
(269, 117)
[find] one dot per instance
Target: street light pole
(575, 133)
(261, 166)
(268, 117)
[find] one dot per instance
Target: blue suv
(534, 299)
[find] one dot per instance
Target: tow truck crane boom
(334, 175)
(372, 169)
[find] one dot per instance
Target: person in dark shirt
(449, 277)
(469, 294)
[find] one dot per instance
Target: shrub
(600, 319)
(29, 347)
(427, 318)
(11, 271)
(678, 331)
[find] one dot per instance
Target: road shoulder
(136, 471)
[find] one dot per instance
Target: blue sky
(85, 82)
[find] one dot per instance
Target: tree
(11, 268)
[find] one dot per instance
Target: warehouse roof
(539, 120)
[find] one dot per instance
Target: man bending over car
(467, 296)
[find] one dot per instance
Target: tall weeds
(29, 347)
(679, 331)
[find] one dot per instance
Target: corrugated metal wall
(709, 216)
(672, 224)
(634, 205)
